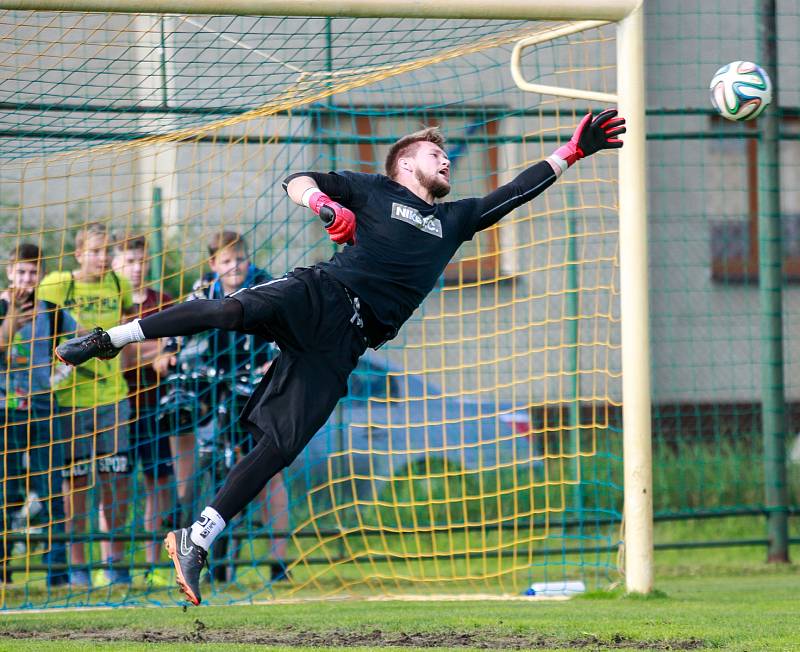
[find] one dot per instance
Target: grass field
(709, 599)
(756, 612)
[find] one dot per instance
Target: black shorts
(308, 315)
(233, 430)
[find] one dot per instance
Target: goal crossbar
(613, 10)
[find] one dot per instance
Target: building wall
(706, 339)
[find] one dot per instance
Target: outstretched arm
(319, 192)
(592, 135)
(525, 186)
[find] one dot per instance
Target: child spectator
(96, 426)
(148, 445)
(235, 359)
(29, 330)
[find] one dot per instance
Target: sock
(207, 528)
(126, 334)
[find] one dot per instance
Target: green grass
(724, 598)
(752, 613)
(708, 600)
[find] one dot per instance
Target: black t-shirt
(403, 244)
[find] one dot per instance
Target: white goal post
(630, 97)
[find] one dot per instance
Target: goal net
(478, 452)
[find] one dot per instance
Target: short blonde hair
(90, 230)
(408, 144)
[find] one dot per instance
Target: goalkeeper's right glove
(591, 136)
(339, 221)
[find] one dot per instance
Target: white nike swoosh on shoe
(185, 550)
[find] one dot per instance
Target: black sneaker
(189, 560)
(78, 350)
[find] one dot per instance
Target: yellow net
(477, 450)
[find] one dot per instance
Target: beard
(434, 184)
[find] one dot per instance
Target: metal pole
(340, 424)
(770, 284)
(572, 310)
(634, 306)
(156, 239)
(156, 163)
(329, 68)
(163, 65)
(155, 242)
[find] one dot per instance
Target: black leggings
(247, 478)
(194, 317)
(254, 470)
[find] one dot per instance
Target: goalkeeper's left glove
(591, 136)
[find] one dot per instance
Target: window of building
(734, 238)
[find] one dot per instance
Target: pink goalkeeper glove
(591, 136)
(339, 222)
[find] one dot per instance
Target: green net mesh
(478, 452)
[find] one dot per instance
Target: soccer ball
(740, 90)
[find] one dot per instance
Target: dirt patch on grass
(350, 638)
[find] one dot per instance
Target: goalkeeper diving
(398, 240)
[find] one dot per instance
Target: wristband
(558, 164)
(308, 194)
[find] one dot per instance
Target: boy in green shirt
(94, 399)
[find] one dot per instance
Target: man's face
(130, 263)
(23, 275)
(93, 256)
(231, 265)
(431, 168)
